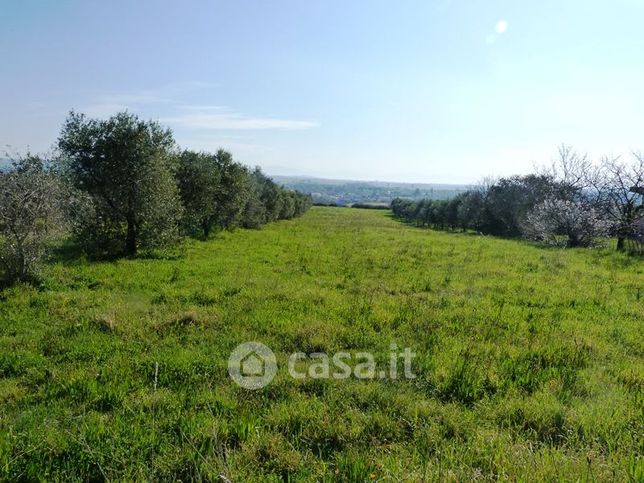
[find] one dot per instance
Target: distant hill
(346, 192)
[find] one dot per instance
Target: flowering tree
(621, 194)
(565, 222)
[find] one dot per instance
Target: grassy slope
(530, 360)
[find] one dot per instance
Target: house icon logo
(252, 365)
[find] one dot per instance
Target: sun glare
(501, 26)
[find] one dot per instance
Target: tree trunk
(21, 269)
(620, 243)
(21, 266)
(130, 242)
(573, 240)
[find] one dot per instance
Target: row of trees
(121, 185)
(574, 202)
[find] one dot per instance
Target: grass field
(529, 360)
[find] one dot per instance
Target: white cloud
(222, 119)
(103, 109)
(166, 103)
(204, 107)
(108, 104)
(142, 97)
(243, 148)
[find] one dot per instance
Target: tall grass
(529, 360)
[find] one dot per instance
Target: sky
(443, 91)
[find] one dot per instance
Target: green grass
(530, 360)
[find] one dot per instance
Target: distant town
(349, 192)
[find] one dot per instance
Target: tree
(213, 190)
(31, 215)
(198, 180)
(302, 203)
(254, 212)
(270, 195)
(508, 201)
(620, 193)
(126, 167)
(572, 172)
(230, 197)
(638, 235)
(288, 206)
(471, 210)
(580, 224)
(265, 201)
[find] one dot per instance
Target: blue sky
(433, 91)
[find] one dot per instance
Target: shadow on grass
(70, 252)
(7, 283)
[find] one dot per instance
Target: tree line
(121, 185)
(572, 203)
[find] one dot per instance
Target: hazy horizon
(425, 92)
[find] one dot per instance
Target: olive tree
(213, 189)
(198, 180)
(254, 212)
(31, 215)
(232, 191)
(126, 168)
